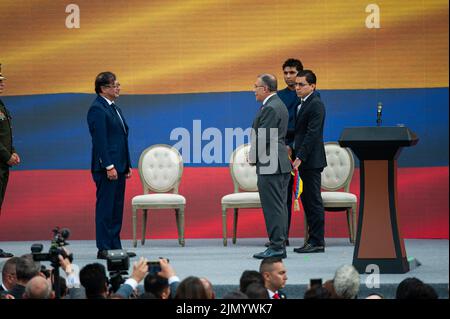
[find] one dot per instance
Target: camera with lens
(118, 263)
(59, 240)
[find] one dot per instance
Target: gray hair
(346, 282)
(270, 81)
(38, 288)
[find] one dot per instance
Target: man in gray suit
(269, 153)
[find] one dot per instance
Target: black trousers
(313, 205)
(4, 176)
(289, 203)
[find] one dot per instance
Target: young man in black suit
(310, 158)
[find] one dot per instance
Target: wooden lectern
(378, 239)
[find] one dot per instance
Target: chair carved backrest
(340, 166)
(243, 174)
(160, 169)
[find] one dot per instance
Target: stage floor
(224, 265)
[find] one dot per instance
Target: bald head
(38, 288)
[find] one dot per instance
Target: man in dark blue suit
(110, 164)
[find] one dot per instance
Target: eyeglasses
(115, 86)
(301, 84)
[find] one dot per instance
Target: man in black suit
(275, 277)
(8, 155)
(110, 163)
(310, 158)
(269, 153)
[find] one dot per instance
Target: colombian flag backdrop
(191, 65)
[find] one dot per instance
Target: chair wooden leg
(181, 217)
(224, 225)
(354, 223)
(235, 221)
(144, 226)
(177, 217)
(350, 224)
(134, 219)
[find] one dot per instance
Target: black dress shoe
(286, 243)
(308, 248)
(4, 254)
(102, 254)
(131, 254)
(271, 253)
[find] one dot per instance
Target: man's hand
(296, 163)
(13, 160)
(112, 174)
(166, 269)
(289, 149)
(140, 270)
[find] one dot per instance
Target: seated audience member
(208, 287)
(414, 288)
(256, 290)
(275, 276)
(346, 282)
(9, 278)
(191, 288)
(157, 286)
(26, 269)
(317, 292)
(38, 288)
(235, 295)
(248, 277)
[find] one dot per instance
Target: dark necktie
(299, 106)
(120, 117)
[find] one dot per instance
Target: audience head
(157, 286)
(346, 282)
(235, 295)
(257, 290)
(375, 295)
(94, 280)
(191, 288)
(248, 277)
(208, 287)
(274, 273)
(9, 277)
(317, 292)
(26, 269)
(413, 288)
(38, 288)
(328, 285)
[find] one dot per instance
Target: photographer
(95, 281)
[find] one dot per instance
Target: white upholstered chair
(338, 175)
(245, 189)
(160, 169)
